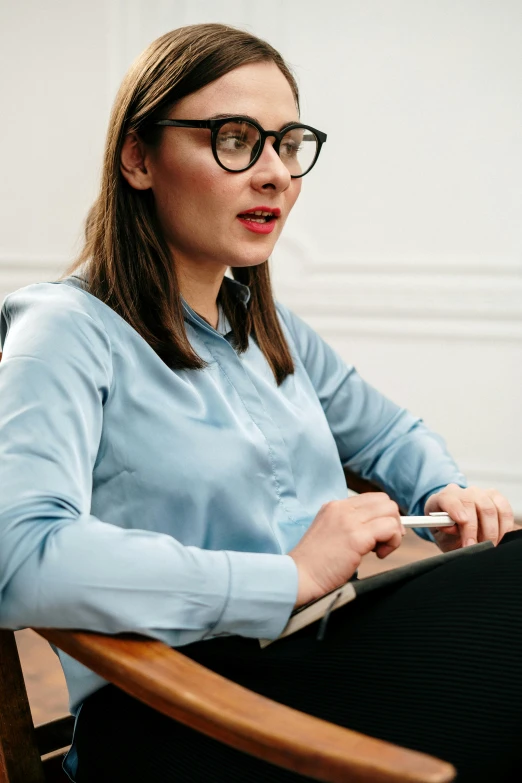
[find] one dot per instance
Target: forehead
(259, 90)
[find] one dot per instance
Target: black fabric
(434, 664)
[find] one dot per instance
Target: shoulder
(60, 299)
(52, 317)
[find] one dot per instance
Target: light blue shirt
(137, 498)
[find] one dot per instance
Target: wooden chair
(173, 684)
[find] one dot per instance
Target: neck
(199, 287)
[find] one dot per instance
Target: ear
(133, 164)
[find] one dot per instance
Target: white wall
(405, 250)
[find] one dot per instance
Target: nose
(269, 172)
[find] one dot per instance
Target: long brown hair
(130, 267)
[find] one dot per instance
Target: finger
(383, 550)
(463, 511)
(386, 534)
(372, 505)
(450, 502)
(506, 518)
(366, 538)
(442, 501)
(487, 515)
(469, 530)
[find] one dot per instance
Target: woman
(172, 443)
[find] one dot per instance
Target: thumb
(383, 550)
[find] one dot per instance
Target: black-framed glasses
(237, 143)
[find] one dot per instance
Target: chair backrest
(21, 744)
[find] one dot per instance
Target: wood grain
(19, 758)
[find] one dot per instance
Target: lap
(432, 665)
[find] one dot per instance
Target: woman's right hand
(341, 534)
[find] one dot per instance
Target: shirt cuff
(262, 595)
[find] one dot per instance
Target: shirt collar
(240, 291)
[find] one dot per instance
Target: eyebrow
(248, 117)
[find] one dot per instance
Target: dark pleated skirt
(434, 665)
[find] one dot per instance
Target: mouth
(260, 215)
(260, 220)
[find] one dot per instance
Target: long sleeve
(60, 565)
(375, 437)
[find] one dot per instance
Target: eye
(291, 143)
(230, 142)
(236, 137)
(289, 148)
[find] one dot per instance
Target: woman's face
(197, 201)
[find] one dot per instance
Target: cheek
(190, 186)
(182, 193)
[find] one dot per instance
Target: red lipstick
(263, 219)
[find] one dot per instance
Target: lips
(260, 220)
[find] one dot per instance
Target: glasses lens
(298, 150)
(236, 144)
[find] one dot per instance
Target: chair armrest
(173, 684)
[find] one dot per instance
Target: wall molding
(410, 329)
(19, 271)
(411, 305)
(412, 299)
(418, 265)
(306, 250)
(457, 294)
(16, 261)
(468, 297)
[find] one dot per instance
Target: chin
(245, 262)
(251, 257)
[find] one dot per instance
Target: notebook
(322, 607)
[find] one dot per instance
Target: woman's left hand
(480, 514)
